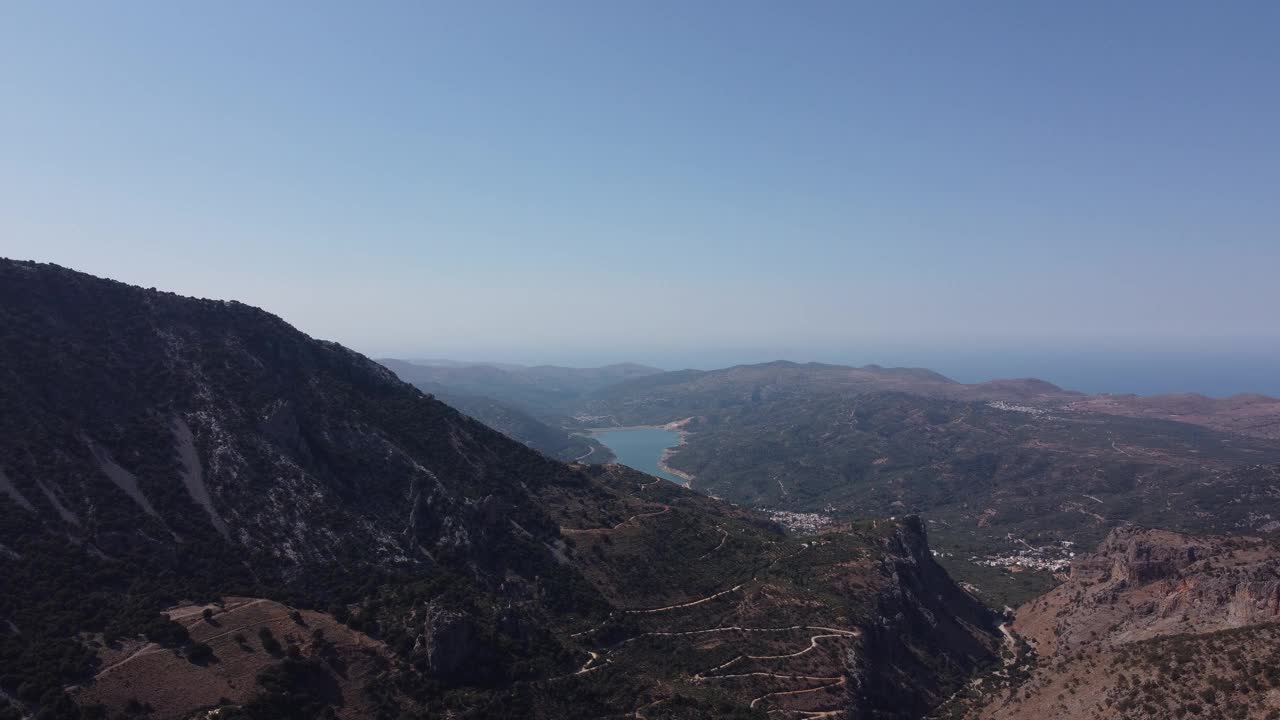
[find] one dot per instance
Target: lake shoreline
(677, 426)
(666, 455)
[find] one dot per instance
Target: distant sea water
(641, 448)
(1155, 373)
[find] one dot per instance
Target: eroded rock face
(449, 645)
(1141, 583)
(920, 607)
(1140, 555)
(1153, 624)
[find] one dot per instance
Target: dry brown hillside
(245, 637)
(1251, 415)
(1155, 624)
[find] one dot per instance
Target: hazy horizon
(990, 190)
(1091, 370)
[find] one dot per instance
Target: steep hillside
(161, 453)
(1153, 625)
(519, 425)
(158, 448)
(544, 391)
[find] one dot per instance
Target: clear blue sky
(678, 182)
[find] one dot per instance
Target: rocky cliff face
(920, 607)
(1139, 556)
(1141, 583)
(1153, 624)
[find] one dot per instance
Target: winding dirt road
(839, 682)
(579, 531)
(691, 603)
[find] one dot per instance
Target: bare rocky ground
(1155, 624)
(177, 686)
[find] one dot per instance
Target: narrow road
(724, 535)
(813, 644)
(246, 625)
(691, 603)
(578, 531)
(148, 649)
(784, 676)
(796, 692)
(1010, 642)
(593, 629)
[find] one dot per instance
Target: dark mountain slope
(158, 449)
(547, 392)
(107, 387)
(520, 425)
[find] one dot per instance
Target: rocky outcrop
(1140, 555)
(449, 645)
(1142, 583)
(1147, 583)
(921, 607)
(1177, 623)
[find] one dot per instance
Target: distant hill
(673, 395)
(1252, 415)
(991, 465)
(366, 551)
